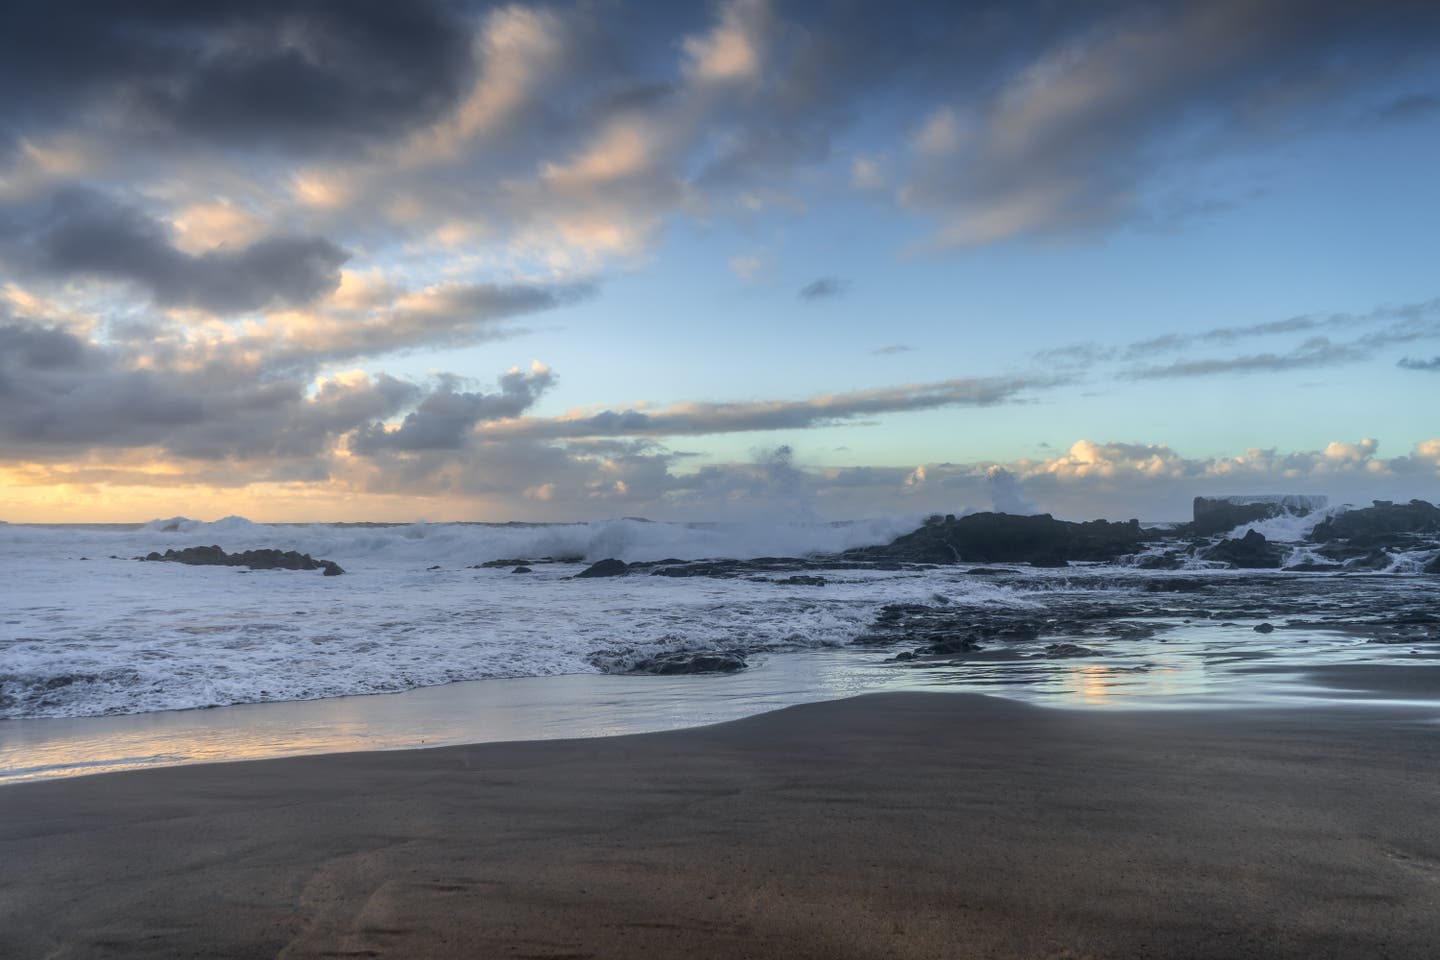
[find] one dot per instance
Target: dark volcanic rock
(1374, 560)
(1311, 566)
(1380, 523)
(265, 559)
(681, 662)
(948, 645)
(522, 569)
(1250, 552)
(1264, 628)
(729, 569)
(605, 568)
(1006, 538)
(1218, 514)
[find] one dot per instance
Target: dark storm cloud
(823, 288)
(1410, 363)
(84, 233)
(444, 419)
(308, 74)
(61, 395)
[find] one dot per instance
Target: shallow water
(1209, 668)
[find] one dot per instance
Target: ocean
(89, 631)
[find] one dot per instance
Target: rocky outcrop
(1250, 552)
(609, 567)
(686, 662)
(1006, 538)
(1379, 524)
(264, 559)
(1212, 515)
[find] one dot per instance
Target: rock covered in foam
(1218, 514)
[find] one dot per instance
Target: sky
(795, 260)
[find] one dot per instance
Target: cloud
(86, 234)
(1075, 139)
(447, 315)
(62, 395)
(823, 288)
(749, 267)
(315, 76)
(867, 173)
(694, 419)
(892, 349)
(1405, 109)
(567, 135)
(1376, 329)
(1315, 352)
(444, 419)
(1411, 363)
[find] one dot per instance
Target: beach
(894, 824)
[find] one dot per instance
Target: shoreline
(905, 824)
(582, 706)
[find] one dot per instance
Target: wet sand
(891, 825)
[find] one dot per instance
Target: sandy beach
(891, 825)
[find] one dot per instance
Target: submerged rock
(264, 559)
(684, 662)
(609, 567)
(1176, 585)
(802, 581)
(1058, 651)
(942, 646)
(1250, 552)
(522, 569)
